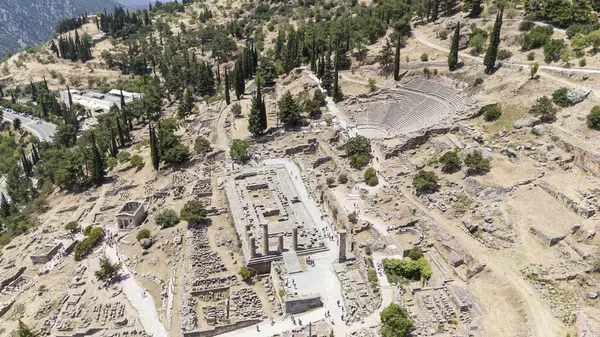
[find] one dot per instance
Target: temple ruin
(269, 217)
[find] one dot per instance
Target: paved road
(141, 301)
(42, 129)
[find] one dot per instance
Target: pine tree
(453, 55)
(397, 61)
(154, 152)
(492, 52)
(4, 206)
(435, 7)
(386, 58)
(227, 97)
(97, 164)
(186, 104)
(326, 81)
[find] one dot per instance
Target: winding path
(418, 35)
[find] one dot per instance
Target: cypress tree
(321, 70)
(492, 52)
(120, 132)
(113, 144)
(33, 91)
(12, 96)
(4, 206)
(313, 57)
(34, 153)
(46, 84)
(255, 125)
(227, 98)
(327, 78)
(261, 107)
(122, 100)
(397, 61)
(336, 93)
(70, 98)
(453, 55)
(154, 149)
(97, 164)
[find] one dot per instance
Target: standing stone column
(342, 253)
(295, 238)
(252, 246)
(265, 239)
(280, 244)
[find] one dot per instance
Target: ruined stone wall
(582, 158)
(221, 329)
(548, 239)
(584, 211)
(302, 304)
(417, 140)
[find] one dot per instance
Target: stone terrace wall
(221, 329)
(584, 159)
(584, 211)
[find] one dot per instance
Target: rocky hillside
(27, 23)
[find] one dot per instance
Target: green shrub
(201, 145)
(443, 35)
(245, 273)
(424, 57)
(193, 211)
(477, 163)
(554, 49)
(166, 218)
(111, 162)
(342, 178)
(72, 226)
(593, 118)
(531, 56)
(450, 161)
(415, 253)
(136, 161)
(544, 109)
(408, 269)
(559, 97)
(123, 157)
(142, 234)
(526, 25)
(425, 181)
(88, 244)
(236, 109)
(504, 54)
(537, 37)
(353, 218)
(582, 62)
(330, 181)
(492, 112)
(370, 177)
(478, 81)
